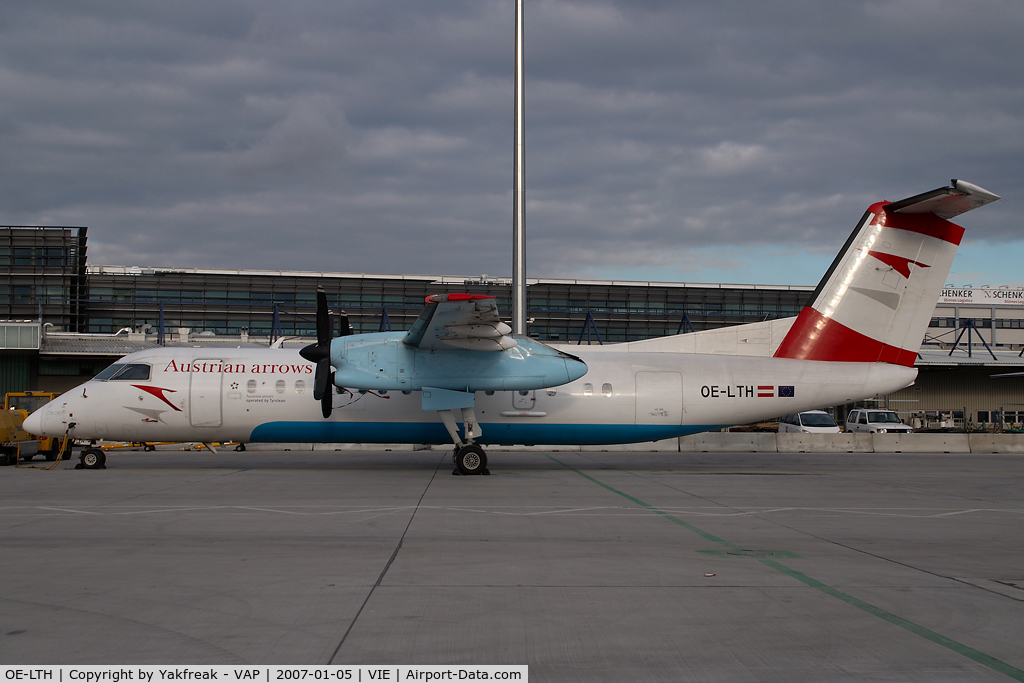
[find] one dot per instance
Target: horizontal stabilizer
(945, 202)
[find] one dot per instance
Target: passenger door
(204, 393)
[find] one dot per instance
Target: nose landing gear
(92, 459)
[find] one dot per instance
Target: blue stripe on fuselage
(498, 434)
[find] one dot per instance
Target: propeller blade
(344, 327)
(323, 319)
(326, 403)
(322, 379)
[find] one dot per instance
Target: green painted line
(675, 520)
(937, 638)
(965, 650)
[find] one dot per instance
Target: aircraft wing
(460, 321)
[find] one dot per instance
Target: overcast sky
(722, 141)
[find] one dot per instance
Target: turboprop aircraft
(857, 337)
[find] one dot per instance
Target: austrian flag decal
(768, 391)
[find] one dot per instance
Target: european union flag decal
(786, 392)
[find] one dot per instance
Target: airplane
(458, 365)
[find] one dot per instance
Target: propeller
(320, 353)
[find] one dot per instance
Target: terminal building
(64, 319)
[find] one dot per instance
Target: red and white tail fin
(875, 302)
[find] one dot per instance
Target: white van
(876, 422)
(809, 422)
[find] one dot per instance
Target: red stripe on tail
(815, 337)
(921, 223)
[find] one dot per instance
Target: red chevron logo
(898, 263)
(159, 393)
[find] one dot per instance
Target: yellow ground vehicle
(17, 406)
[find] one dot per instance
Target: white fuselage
(253, 395)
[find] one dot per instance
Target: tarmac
(586, 566)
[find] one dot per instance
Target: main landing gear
(470, 459)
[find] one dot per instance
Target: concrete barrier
(921, 443)
(824, 443)
(733, 442)
(997, 443)
(663, 446)
(729, 442)
(364, 447)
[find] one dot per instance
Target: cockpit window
(133, 371)
(110, 371)
(125, 371)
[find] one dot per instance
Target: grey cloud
(376, 136)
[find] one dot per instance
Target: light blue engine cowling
(382, 361)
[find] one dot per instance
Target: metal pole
(519, 189)
(160, 326)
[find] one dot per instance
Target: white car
(876, 422)
(809, 422)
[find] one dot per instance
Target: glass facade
(43, 274)
(228, 303)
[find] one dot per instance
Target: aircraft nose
(33, 424)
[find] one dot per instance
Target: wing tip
(440, 298)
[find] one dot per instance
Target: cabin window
(250, 386)
(606, 389)
(588, 389)
(279, 386)
(300, 386)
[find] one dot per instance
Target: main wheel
(471, 459)
(93, 459)
(148, 447)
(240, 447)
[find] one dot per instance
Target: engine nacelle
(382, 361)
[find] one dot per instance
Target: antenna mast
(519, 189)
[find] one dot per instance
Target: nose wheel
(92, 459)
(470, 459)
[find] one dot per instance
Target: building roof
(115, 346)
(438, 279)
(72, 344)
(977, 355)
